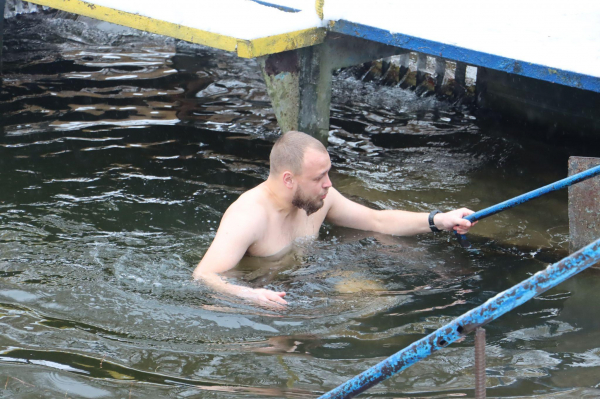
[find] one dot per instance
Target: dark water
(118, 156)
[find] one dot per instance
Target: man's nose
(327, 182)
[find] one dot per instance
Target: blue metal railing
(566, 182)
(492, 210)
(490, 310)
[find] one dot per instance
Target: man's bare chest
(280, 234)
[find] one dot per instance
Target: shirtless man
(292, 203)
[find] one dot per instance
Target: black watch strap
(431, 224)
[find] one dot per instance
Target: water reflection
(118, 162)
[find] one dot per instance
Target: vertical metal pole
(480, 378)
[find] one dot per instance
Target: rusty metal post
(480, 377)
(584, 205)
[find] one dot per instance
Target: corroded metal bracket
(584, 205)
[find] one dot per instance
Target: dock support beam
(299, 81)
(421, 66)
(460, 78)
(584, 205)
(440, 72)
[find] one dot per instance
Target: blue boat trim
(470, 321)
(277, 6)
(471, 57)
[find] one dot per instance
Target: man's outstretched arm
(347, 213)
(238, 230)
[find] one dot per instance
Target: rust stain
(584, 205)
(282, 62)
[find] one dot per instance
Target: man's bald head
(288, 151)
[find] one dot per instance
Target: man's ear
(288, 179)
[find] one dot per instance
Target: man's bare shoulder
(250, 206)
(333, 197)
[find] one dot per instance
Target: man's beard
(301, 202)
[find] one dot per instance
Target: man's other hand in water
(264, 297)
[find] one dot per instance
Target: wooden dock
(554, 43)
(300, 42)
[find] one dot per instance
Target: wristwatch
(431, 224)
